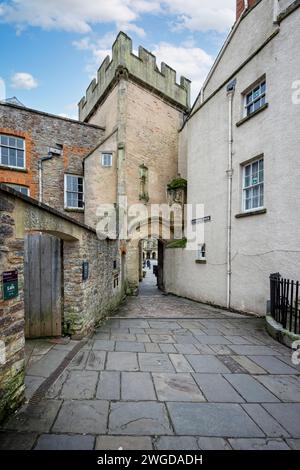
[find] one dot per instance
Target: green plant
(177, 243)
(177, 183)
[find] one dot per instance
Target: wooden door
(42, 286)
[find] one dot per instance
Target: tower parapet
(142, 69)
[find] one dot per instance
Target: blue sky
(51, 49)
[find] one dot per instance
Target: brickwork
(41, 131)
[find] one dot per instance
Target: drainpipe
(230, 94)
(40, 167)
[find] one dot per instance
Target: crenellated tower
(141, 68)
(141, 108)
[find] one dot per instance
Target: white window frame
(201, 252)
(260, 98)
(16, 148)
(103, 157)
(65, 192)
(18, 187)
(259, 184)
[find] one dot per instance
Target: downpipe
(229, 172)
(40, 167)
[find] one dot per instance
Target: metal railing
(285, 302)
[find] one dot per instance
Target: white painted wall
(264, 243)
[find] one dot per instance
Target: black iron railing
(285, 302)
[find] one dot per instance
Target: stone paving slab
(123, 443)
(142, 418)
(264, 420)
(217, 389)
(287, 414)
(37, 418)
(258, 444)
(65, 442)
(82, 417)
(129, 346)
(176, 443)
(80, 385)
(126, 361)
(137, 386)
(109, 386)
(155, 362)
(47, 364)
(210, 364)
(273, 365)
(32, 383)
(17, 440)
(285, 387)
(180, 363)
(213, 443)
(177, 387)
(245, 350)
(104, 345)
(215, 419)
(250, 389)
(293, 443)
(96, 360)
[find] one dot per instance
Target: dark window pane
(4, 140)
(12, 142)
(20, 143)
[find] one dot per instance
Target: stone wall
(11, 313)
(41, 131)
(85, 302)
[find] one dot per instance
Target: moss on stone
(177, 243)
(177, 183)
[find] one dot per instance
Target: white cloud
(188, 60)
(202, 15)
(23, 81)
(80, 15)
(191, 62)
(73, 15)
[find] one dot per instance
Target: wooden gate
(42, 286)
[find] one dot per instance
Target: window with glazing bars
(253, 185)
(73, 192)
(12, 151)
(255, 98)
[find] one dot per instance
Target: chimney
(242, 5)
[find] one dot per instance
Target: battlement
(141, 68)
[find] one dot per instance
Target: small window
(106, 159)
(73, 192)
(12, 151)
(256, 98)
(116, 280)
(253, 185)
(201, 252)
(18, 187)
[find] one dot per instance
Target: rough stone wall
(42, 131)
(86, 302)
(11, 314)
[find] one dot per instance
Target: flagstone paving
(165, 373)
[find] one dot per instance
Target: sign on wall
(10, 284)
(85, 270)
